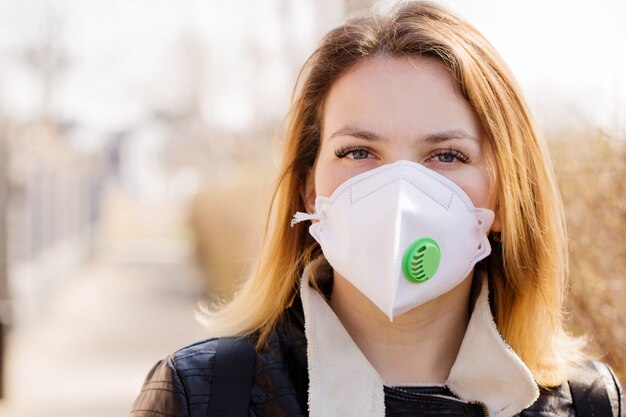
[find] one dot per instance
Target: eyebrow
(358, 133)
(429, 138)
(448, 135)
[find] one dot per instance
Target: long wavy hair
(527, 268)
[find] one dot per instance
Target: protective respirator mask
(402, 234)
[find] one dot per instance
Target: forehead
(415, 95)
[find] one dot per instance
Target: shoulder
(595, 388)
(179, 383)
(591, 390)
(182, 384)
(196, 359)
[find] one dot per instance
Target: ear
(496, 226)
(308, 194)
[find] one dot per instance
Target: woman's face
(386, 109)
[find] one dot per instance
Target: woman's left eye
(448, 156)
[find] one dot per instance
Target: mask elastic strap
(301, 217)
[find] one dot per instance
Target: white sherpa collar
(342, 382)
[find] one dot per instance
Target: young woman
(415, 260)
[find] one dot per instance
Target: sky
(122, 60)
(567, 55)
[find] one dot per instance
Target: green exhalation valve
(421, 260)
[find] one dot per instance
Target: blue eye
(449, 156)
(360, 154)
(353, 152)
(446, 157)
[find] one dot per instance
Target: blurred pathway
(131, 306)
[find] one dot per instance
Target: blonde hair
(528, 266)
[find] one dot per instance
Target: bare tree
(47, 60)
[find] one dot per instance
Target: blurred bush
(591, 174)
(228, 216)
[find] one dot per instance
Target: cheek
(477, 184)
(330, 172)
(328, 178)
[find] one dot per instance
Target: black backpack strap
(595, 393)
(232, 377)
(619, 397)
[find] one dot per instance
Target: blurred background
(138, 143)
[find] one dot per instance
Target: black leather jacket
(180, 385)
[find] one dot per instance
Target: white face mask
(402, 234)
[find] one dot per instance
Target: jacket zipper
(484, 407)
(480, 403)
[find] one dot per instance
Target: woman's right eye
(353, 152)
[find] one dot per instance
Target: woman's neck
(417, 347)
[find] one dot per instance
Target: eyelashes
(449, 155)
(357, 152)
(446, 156)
